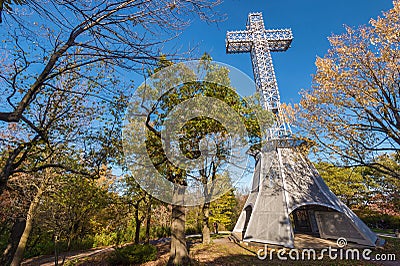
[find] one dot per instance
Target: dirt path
(220, 252)
(70, 256)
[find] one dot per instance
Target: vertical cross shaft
(260, 42)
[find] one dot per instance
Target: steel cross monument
(285, 183)
(260, 43)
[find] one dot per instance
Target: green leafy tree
(363, 187)
(212, 131)
(351, 184)
(385, 196)
(224, 210)
(153, 147)
(141, 203)
(70, 207)
(194, 134)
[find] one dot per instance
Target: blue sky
(311, 22)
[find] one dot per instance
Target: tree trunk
(16, 232)
(148, 219)
(19, 253)
(206, 227)
(178, 254)
(205, 210)
(137, 225)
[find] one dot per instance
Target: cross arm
(238, 42)
(278, 40)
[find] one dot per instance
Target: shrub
(133, 254)
(377, 220)
(104, 239)
(43, 247)
(193, 231)
(161, 231)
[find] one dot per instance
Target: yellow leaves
(323, 63)
(387, 27)
(335, 41)
(351, 84)
(172, 5)
(309, 99)
(326, 71)
(290, 112)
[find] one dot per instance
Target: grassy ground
(384, 231)
(225, 253)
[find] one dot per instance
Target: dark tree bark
(16, 232)
(205, 209)
(19, 253)
(148, 220)
(206, 227)
(137, 224)
(179, 254)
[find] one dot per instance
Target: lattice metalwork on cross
(288, 195)
(260, 42)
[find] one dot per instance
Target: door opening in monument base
(304, 220)
(248, 211)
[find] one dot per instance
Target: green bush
(46, 246)
(192, 231)
(104, 239)
(4, 235)
(378, 220)
(161, 231)
(116, 237)
(42, 247)
(133, 254)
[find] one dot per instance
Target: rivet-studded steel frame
(260, 43)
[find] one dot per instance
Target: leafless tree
(95, 44)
